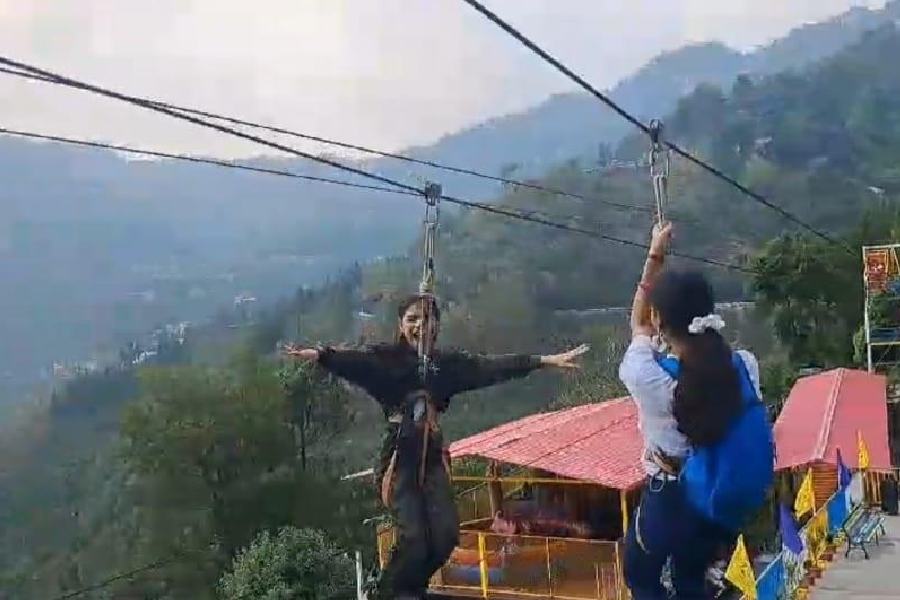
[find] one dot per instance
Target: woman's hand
(661, 238)
(565, 360)
(641, 323)
(304, 354)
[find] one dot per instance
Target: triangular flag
(740, 571)
(790, 535)
(863, 452)
(806, 497)
(844, 474)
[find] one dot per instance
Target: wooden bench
(862, 527)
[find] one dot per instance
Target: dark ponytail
(708, 393)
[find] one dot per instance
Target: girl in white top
(676, 415)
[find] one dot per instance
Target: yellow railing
(490, 565)
(872, 484)
(473, 502)
(473, 499)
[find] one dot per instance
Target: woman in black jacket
(412, 470)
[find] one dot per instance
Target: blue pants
(666, 530)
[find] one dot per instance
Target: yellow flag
(863, 452)
(740, 571)
(806, 497)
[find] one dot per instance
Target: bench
(862, 527)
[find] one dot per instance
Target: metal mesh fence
(495, 564)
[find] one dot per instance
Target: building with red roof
(597, 443)
(546, 517)
(826, 412)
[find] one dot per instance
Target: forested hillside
(186, 459)
(100, 249)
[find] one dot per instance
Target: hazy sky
(388, 73)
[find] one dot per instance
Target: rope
(491, 16)
(151, 105)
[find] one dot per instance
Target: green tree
(207, 446)
(319, 406)
(598, 380)
(293, 564)
(811, 291)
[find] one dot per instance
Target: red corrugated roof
(600, 443)
(825, 411)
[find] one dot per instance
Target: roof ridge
(825, 433)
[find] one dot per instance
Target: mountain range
(97, 249)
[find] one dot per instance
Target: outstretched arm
(356, 366)
(640, 307)
(462, 372)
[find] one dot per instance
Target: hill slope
(99, 250)
(502, 283)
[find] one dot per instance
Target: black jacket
(390, 374)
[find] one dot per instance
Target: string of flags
(740, 571)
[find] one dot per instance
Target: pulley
(432, 194)
(659, 169)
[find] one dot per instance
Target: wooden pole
(360, 595)
(549, 574)
(623, 506)
(620, 574)
(495, 489)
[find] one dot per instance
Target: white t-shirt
(653, 391)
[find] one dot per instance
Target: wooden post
(549, 575)
(360, 595)
(482, 562)
(495, 489)
(620, 575)
(623, 506)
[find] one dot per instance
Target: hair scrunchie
(701, 324)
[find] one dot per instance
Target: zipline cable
(152, 566)
(369, 150)
(494, 18)
(230, 165)
(150, 105)
(528, 185)
(157, 564)
(195, 159)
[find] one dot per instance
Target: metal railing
(489, 565)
